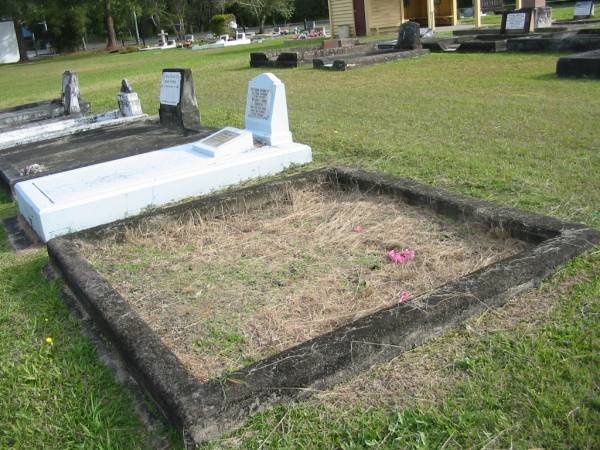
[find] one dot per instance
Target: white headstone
(170, 88)
(266, 110)
(584, 9)
(129, 104)
(516, 21)
(9, 48)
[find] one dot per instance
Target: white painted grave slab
(584, 9)
(60, 128)
(515, 21)
(266, 110)
(170, 88)
(83, 198)
(130, 110)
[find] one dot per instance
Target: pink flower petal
(404, 296)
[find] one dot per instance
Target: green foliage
(219, 24)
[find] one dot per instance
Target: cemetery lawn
(501, 127)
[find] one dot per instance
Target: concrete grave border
(203, 411)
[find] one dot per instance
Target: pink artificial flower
(401, 257)
(358, 229)
(404, 296)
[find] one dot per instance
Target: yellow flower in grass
(49, 340)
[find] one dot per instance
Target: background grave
(179, 125)
(328, 358)
(78, 199)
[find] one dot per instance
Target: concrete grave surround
(83, 198)
(69, 103)
(130, 110)
(206, 410)
(266, 110)
(580, 65)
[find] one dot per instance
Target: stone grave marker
(409, 37)
(178, 105)
(266, 110)
(584, 10)
(518, 21)
(128, 100)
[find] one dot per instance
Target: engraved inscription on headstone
(516, 21)
(220, 138)
(260, 100)
(170, 88)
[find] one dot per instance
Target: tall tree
(109, 25)
(261, 9)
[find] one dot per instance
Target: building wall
(341, 12)
(9, 48)
(384, 15)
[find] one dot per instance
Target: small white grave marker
(170, 88)
(266, 110)
(226, 142)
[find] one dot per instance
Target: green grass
(500, 127)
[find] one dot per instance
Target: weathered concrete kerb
(204, 411)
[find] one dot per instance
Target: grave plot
(70, 104)
(296, 56)
(78, 199)
(238, 301)
(408, 45)
(580, 65)
(130, 110)
(178, 123)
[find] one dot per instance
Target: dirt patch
(225, 290)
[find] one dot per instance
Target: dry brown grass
(223, 291)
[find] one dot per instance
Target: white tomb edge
(79, 199)
(92, 202)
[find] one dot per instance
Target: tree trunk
(110, 27)
(22, 49)
(263, 18)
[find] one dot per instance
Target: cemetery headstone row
(82, 198)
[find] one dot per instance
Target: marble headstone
(266, 110)
(178, 105)
(409, 36)
(518, 21)
(584, 10)
(128, 100)
(70, 97)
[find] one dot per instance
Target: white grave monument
(83, 198)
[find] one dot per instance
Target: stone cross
(266, 110)
(409, 36)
